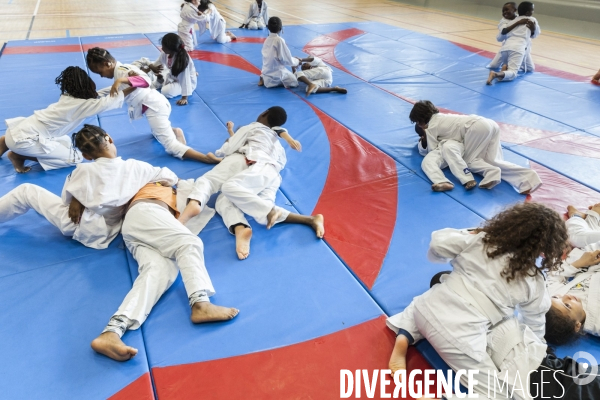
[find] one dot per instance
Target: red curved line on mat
(361, 186)
(140, 389)
(324, 46)
(231, 60)
(539, 68)
(307, 370)
(239, 39)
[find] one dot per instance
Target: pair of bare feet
(111, 345)
(17, 160)
(231, 35)
(445, 186)
(243, 234)
(574, 211)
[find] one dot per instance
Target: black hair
(524, 7)
(276, 116)
(97, 55)
(437, 278)
(422, 112)
(560, 329)
(511, 3)
(90, 140)
(275, 25)
(173, 42)
(77, 83)
(203, 6)
(420, 131)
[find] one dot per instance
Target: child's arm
(114, 90)
(230, 126)
(76, 210)
(294, 144)
(513, 26)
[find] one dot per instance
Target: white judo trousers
(55, 153)
(162, 130)
(216, 25)
(27, 196)
(276, 57)
(256, 23)
(320, 75)
(163, 247)
(584, 232)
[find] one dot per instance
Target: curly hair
(76, 82)
(422, 112)
(524, 232)
(560, 329)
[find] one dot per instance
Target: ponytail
(173, 43)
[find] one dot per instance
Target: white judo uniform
(276, 57)
(527, 65)
(183, 84)
(248, 176)
(515, 48)
(456, 315)
(584, 232)
(104, 187)
(583, 283)
(258, 18)
(216, 25)
(481, 152)
(163, 247)
(157, 110)
(185, 29)
(45, 135)
(320, 74)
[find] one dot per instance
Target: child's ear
(577, 326)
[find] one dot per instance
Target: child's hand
(230, 125)
(183, 101)
(595, 207)
(133, 73)
(114, 89)
(588, 259)
(155, 68)
(76, 210)
(296, 145)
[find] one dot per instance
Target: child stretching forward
(216, 23)
(517, 43)
(276, 57)
(249, 178)
(162, 247)
(317, 76)
(258, 15)
(189, 17)
(94, 195)
(145, 101)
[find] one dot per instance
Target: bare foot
(272, 217)
(179, 135)
(340, 90)
(397, 363)
(571, 211)
(310, 89)
(231, 35)
(318, 225)
(489, 185)
(205, 311)
(192, 209)
(595, 82)
(3, 146)
(504, 67)
(261, 82)
(442, 187)
(491, 78)
(470, 185)
(111, 345)
(243, 234)
(18, 162)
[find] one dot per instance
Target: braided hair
(76, 82)
(173, 43)
(203, 6)
(97, 55)
(90, 140)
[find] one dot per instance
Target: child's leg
(515, 59)
(496, 61)
(253, 24)
(580, 231)
(187, 38)
(156, 275)
(528, 61)
(56, 153)
(243, 190)
(432, 165)
(27, 196)
(236, 224)
(210, 183)
(163, 132)
(316, 222)
(452, 152)
(154, 226)
(3, 146)
(288, 79)
(260, 23)
(171, 89)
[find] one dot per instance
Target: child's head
(422, 112)
(525, 232)
(203, 5)
(101, 62)
(76, 83)
(275, 25)
(172, 45)
(509, 10)
(564, 320)
(94, 142)
(274, 116)
(525, 9)
(259, 2)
